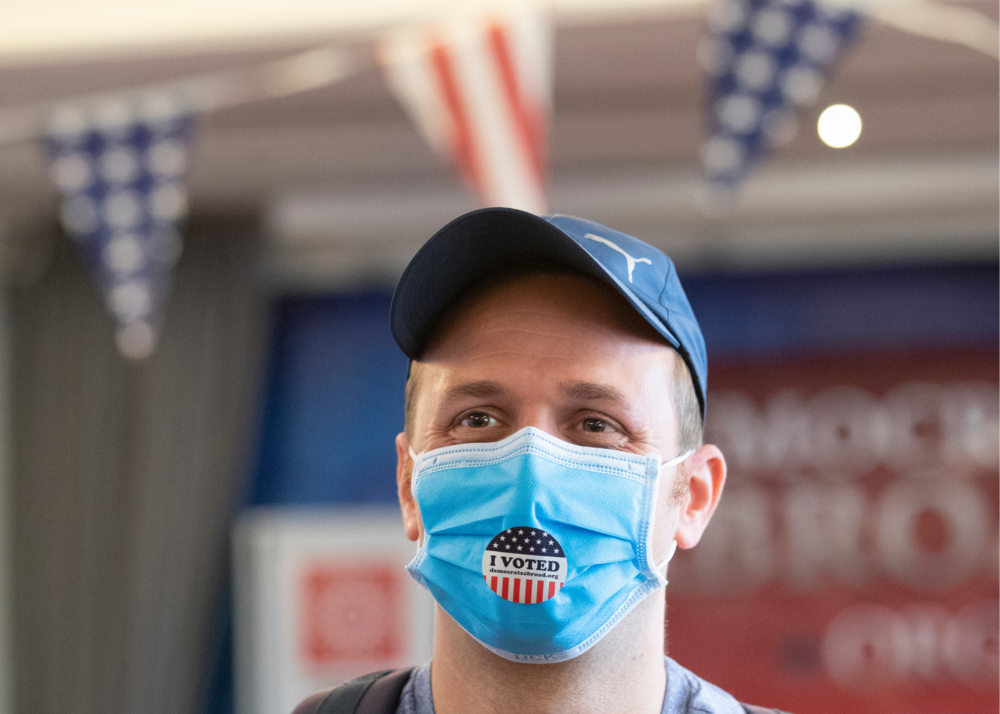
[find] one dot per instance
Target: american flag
(525, 565)
(120, 167)
(479, 89)
(765, 59)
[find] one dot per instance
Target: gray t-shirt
(687, 693)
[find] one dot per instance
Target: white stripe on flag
(406, 53)
(480, 91)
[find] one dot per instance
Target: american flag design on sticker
(524, 565)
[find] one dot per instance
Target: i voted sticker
(524, 565)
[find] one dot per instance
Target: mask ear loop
(413, 455)
(672, 548)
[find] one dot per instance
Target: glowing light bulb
(839, 126)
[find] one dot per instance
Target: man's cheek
(664, 523)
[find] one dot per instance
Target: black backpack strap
(752, 709)
(382, 696)
(375, 693)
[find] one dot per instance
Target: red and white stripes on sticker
(480, 91)
(523, 590)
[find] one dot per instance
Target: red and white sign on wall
(853, 563)
(350, 612)
(322, 596)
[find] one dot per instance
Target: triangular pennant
(480, 92)
(765, 59)
(120, 166)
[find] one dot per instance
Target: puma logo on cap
(631, 261)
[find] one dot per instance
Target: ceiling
(349, 190)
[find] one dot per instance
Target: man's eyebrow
(483, 389)
(591, 391)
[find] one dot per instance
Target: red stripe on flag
(503, 594)
(493, 584)
(552, 589)
(517, 589)
(463, 149)
(527, 591)
(528, 124)
(541, 591)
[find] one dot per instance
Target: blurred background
(204, 208)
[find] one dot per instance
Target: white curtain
(124, 478)
(6, 511)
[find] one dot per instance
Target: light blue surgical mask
(535, 546)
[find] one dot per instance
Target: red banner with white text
(852, 565)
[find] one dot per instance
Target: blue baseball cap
(474, 244)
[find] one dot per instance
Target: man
(551, 461)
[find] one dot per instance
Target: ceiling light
(839, 126)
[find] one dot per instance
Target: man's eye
(478, 420)
(596, 425)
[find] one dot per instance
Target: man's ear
(404, 470)
(707, 476)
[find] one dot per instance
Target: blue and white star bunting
(120, 167)
(766, 58)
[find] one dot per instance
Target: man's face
(561, 353)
